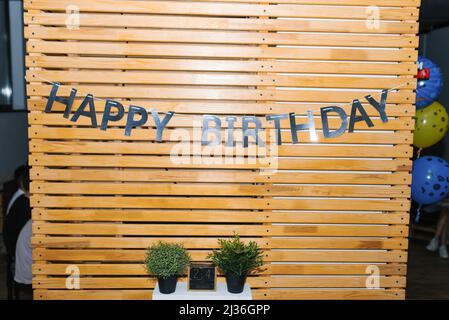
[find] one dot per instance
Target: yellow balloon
(430, 126)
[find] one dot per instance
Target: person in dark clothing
(10, 187)
(18, 213)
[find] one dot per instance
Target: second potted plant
(167, 261)
(236, 260)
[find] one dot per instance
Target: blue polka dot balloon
(430, 82)
(430, 180)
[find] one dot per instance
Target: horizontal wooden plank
(223, 23)
(98, 215)
(220, 37)
(331, 256)
(216, 203)
(221, 51)
(195, 148)
(130, 255)
(82, 133)
(114, 242)
(261, 294)
(293, 269)
(389, 3)
(331, 294)
(207, 93)
(309, 67)
(208, 79)
(157, 162)
(218, 189)
(233, 176)
(105, 161)
(40, 241)
(254, 282)
(216, 230)
(224, 9)
(92, 294)
(333, 268)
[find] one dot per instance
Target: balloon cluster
(430, 175)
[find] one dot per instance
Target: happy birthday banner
(138, 116)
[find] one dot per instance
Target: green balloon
(430, 126)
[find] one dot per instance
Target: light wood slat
(294, 269)
(216, 203)
(216, 230)
(299, 150)
(217, 51)
(182, 78)
(149, 162)
(331, 294)
(254, 282)
(342, 256)
(130, 255)
(332, 268)
(217, 190)
(97, 283)
(267, 164)
(188, 121)
(284, 243)
(235, 176)
(389, 3)
(81, 133)
(145, 161)
(166, 92)
(222, 23)
(223, 9)
(143, 243)
(40, 214)
(334, 294)
(320, 67)
(92, 294)
(220, 37)
(340, 243)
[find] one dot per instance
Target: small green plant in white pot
(167, 261)
(236, 260)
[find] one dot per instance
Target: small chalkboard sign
(202, 276)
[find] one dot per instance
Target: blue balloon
(430, 82)
(430, 180)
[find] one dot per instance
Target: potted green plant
(167, 261)
(236, 260)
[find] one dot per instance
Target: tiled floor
(428, 275)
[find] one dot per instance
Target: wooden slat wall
(100, 198)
